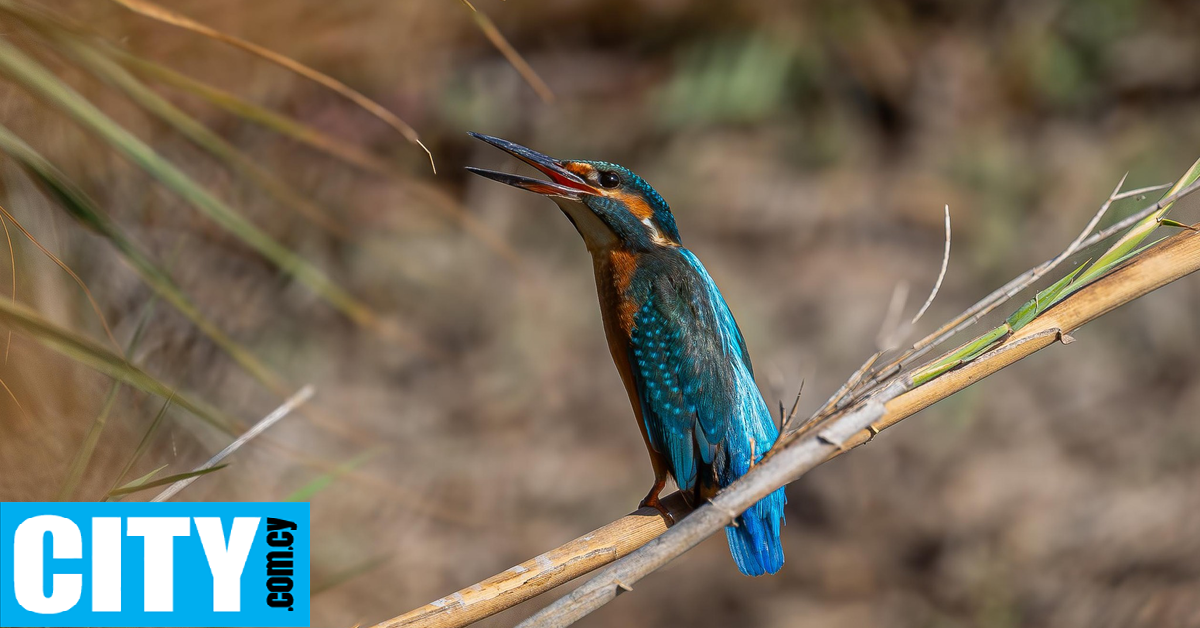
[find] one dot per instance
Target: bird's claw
(653, 502)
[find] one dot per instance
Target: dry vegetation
(807, 150)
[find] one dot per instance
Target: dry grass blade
(514, 58)
(12, 258)
(295, 401)
(67, 269)
(937, 285)
(112, 73)
(246, 110)
(142, 446)
(86, 351)
(47, 86)
(142, 484)
(154, 11)
(20, 408)
(84, 209)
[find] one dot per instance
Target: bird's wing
(692, 371)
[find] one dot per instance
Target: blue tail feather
(754, 541)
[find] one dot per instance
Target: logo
(162, 564)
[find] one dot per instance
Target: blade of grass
(170, 479)
(84, 209)
(246, 110)
(156, 12)
(34, 77)
(142, 445)
(514, 58)
(12, 257)
(88, 293)
(20, 408)
(136, 483)
(306, 492)
(88, 352)
(1138, 232)
(271, 419)
(110, 72)
(296, 130)
(83, 455)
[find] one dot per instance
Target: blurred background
(467, 414)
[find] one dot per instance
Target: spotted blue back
(699, 402)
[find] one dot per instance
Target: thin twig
(890, 331)
(1000, 296)
(937, 285)
(292, 403)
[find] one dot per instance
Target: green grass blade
(83, 455)
(110, 72)
(85, 210)
(138, 482)
(306, 492)
(279, 123)
(1132, 238)
(170, 479)
(86, 351)
(1043, 300)
(162, 14)
(961, 355)
(40, 81)
(143, 445)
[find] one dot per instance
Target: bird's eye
(609, 179)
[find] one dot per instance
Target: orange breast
(623, 264)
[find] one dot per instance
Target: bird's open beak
(562, 182)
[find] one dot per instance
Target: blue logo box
(154, 564)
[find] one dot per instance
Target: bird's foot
(652, 501)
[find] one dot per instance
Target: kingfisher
(673, 339)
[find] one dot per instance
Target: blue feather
(699, 400)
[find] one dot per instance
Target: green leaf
(170, 479)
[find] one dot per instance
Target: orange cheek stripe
(636, 205)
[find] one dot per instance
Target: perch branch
(1168, 261)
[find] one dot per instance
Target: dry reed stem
(1168, 261)
(295, 401)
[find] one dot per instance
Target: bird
(674, 341)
